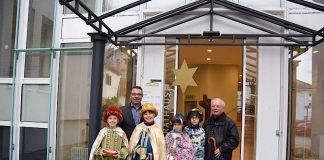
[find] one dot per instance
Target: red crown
(113, 110)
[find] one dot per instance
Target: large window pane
(73, 103)
(34, 107)
(307, 131)
(40, 23)
(4, 142)
(74, 94)
(7, 36)
(33, 144)
(37, 65)
(5, 101)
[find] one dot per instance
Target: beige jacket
(157, 140)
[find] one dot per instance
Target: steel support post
(99, 40)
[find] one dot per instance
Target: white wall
(269, 100)
(220, 24)
(75, 28)
(153, 68)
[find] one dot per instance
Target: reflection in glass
(33, 142)
(74, 94)
(40, 23)
(4, 142)
(37, 65)
(307, 132)
(7, 37)
(250, 101)
(73, 102)
(34, 107)
(169, 90)
(5, 101)
(118, 75)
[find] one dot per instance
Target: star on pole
(184, 76)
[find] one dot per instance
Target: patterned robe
(154, 135)
(110, 138)
(182, 148)
(197, 137)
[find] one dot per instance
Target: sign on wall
(152, 93)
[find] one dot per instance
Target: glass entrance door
(227, 72)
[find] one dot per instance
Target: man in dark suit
(131, 112)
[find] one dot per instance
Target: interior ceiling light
(209, 50)
(208, 59)
(315, 52)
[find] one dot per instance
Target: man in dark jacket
(222, 131)
(131, 112)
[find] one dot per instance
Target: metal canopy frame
(302, 36)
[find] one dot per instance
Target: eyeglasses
(136, 94)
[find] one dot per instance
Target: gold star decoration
(184, 76)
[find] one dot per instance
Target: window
(307, 134)
(40, 24)
(7, 37)
(108, 79)
(34, 106)
(37, 65)
(73, 101)
(4, 142)
(33, 142)
(5, 101)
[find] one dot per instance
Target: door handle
(278, 133)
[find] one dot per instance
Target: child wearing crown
(196, 133)
(147, 140)
(111, 142)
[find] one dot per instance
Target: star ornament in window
(184, 76)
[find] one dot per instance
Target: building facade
(273, 93)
